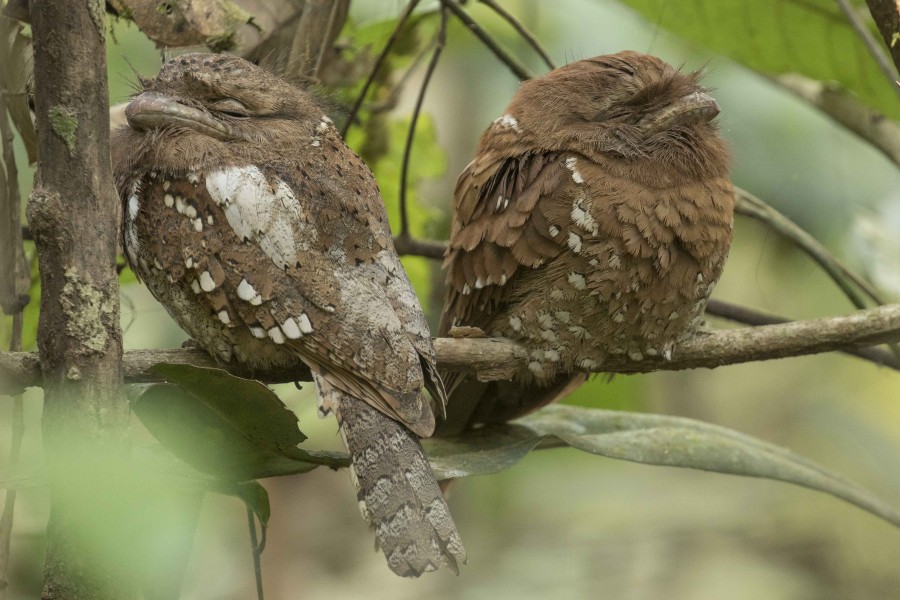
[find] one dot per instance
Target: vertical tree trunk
(73, 213)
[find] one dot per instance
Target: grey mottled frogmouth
(266, 239)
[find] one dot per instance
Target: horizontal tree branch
(756, 318)
(492, 359)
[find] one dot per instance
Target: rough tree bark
(73, 215)
(887, 16)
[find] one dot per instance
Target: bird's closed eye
(230, 107)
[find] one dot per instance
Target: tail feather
(397, 492)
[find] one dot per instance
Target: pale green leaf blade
(811, 37)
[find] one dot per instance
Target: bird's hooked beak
(151, 110)
(692, 109)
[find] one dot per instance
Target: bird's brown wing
(509, 214)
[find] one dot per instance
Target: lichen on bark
(64, 122)
(87, 310)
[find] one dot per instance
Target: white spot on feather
(515, 323)
(198, 225)
(179, 204)
(290, 329)
(258, 332)
(206, 282)
(574, 242)
(508, 122)
(554, 231)
(245, 291)
(275, 334)
(588, 364)
(264, 209)
(189, 262)
(614, 262)
(571, 165)
(582, 218)
(194, 177)
(577, 280)
(223, 316)
(305, 325)
(190, 212)
(195, 285)
(166, 185)
(133, 206)
(169, 200)
(479, 283)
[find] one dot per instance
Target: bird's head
(199, 103)
(629, 104)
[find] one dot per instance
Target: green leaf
(643, 438)
(811, 37)
(226, 426)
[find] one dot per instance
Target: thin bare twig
(326, 43)
(842, 106)
(257, 553)
(872, 45)
(749, 205)
(521, 30)
(410, 246)
(755, 318)
(511, 63)
(13, 298)
(401, 21)
(411, 133)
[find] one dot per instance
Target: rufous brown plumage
(594, 220)
(266, 238)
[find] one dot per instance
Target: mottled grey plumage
(266, 239)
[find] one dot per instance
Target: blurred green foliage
(811, 37)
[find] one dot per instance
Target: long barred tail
(397, 492)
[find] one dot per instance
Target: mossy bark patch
(64, 122)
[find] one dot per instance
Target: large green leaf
(642, 438)
(226, 426)
(239, 430)
(811, 37)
